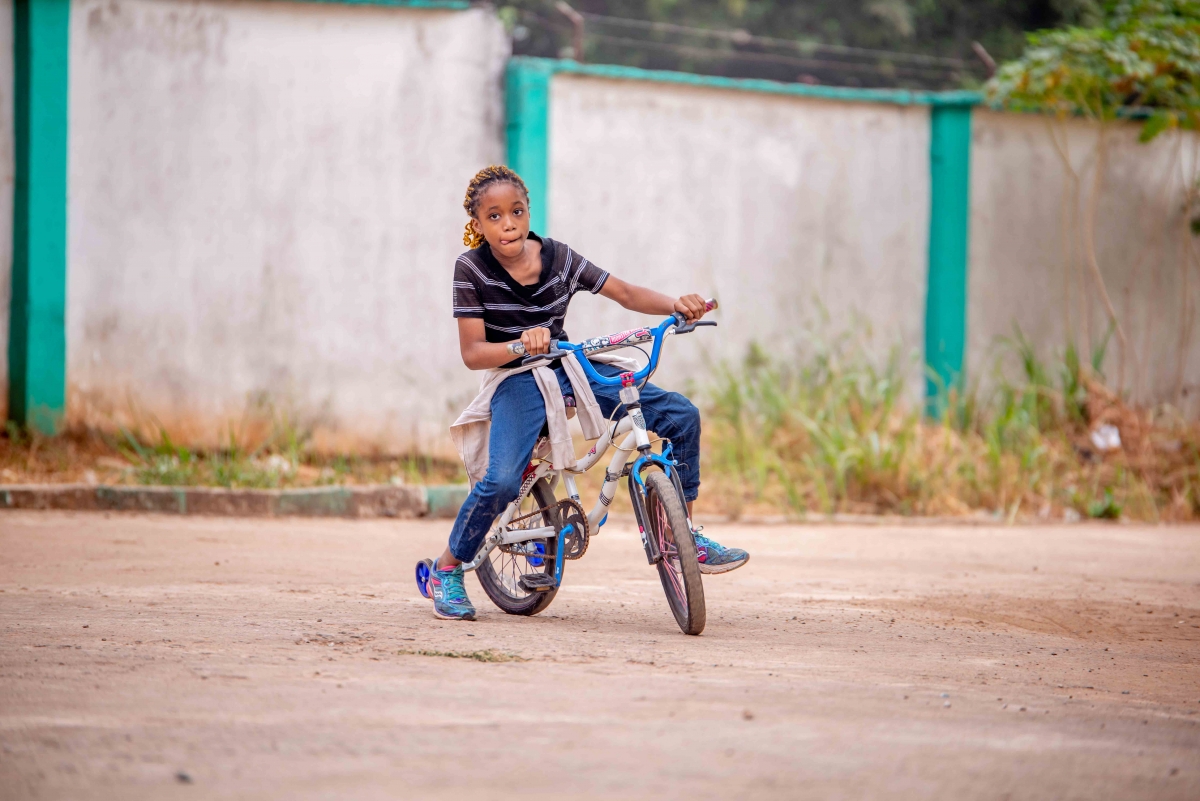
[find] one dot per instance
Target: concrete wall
(265, 207)
(7, 174)
(1021, 207)
(265, 202)
(773, 204)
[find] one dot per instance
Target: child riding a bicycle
(514, 285)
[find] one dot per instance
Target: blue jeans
(518, 414)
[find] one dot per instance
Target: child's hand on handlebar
(537, 340)
(692, 307)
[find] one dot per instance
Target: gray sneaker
(449, 596)
(716, 558)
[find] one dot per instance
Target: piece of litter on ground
(1106, 438)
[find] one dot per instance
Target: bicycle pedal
(536, 582)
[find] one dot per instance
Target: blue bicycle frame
(637, 336)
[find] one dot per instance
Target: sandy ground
(156, 657)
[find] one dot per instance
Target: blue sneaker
(715, 557)
(449, 596)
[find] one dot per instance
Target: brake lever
(688, 328)
(546, 357)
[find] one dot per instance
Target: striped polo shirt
(484, 289)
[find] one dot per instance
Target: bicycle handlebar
(636, 336)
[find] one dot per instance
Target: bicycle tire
(500, 585)
(678, 570)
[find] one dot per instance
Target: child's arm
(647, 301)
(479, 354)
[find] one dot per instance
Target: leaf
(1106, 508)
(1156, 124)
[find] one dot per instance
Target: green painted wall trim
(895, 96)
(37, 350)
(527, 104)
(452, 5)
(949, 217)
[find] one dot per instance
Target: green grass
(835, 430)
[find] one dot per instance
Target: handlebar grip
(549, 356)
(710, 304)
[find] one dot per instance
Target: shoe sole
(714, 569)
(440, 616)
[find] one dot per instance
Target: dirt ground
(164, 657)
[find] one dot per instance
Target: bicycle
(521, 561)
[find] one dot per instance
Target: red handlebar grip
(710, 304)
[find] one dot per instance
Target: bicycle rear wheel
(500, 574)
(679, 571)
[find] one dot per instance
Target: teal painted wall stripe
(949, 213)
(528, 109)
(37, 351)
(895, 96)
(527, 104)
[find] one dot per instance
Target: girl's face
(502, 216)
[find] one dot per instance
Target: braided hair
(495, 174)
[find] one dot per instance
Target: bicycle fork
(646, 457)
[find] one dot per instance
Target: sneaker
(715, 557)
(449, 596)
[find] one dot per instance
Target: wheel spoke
(507, 566)
(670, 553)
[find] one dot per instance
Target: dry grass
(831, 432)
(283, 458)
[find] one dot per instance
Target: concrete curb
(376, 501)
(356, 502)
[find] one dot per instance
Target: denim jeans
(518, 415)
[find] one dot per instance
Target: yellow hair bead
(471, 237)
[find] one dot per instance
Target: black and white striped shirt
(484, 289)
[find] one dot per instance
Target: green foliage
(823, 430)
(16, 433)
(1144, 59)
(1106, 508)
(833, 432)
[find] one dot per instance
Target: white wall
(1017, 252)
(265, 200)
(7, 175)
(773, 204)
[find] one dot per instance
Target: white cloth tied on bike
(471, 431)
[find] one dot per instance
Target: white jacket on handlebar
(471, 431)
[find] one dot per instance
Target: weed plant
(283, 457)
(833, 431)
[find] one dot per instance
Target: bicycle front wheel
(679, 571)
